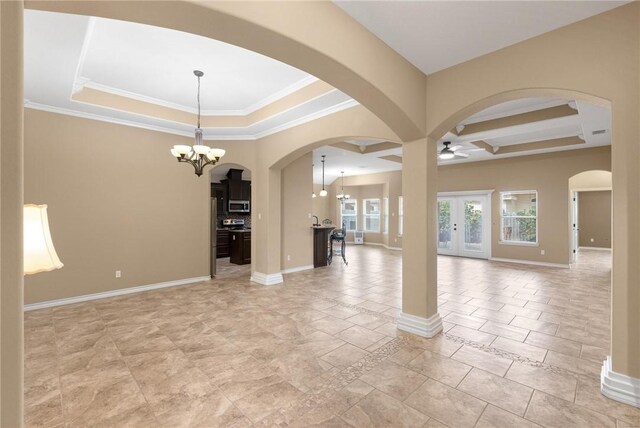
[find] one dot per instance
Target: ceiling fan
(451, 152)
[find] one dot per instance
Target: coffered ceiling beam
(539, 145)
(484, 145)
(368, 149)
(515, 120)
(392, 158)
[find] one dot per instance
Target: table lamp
(39, 253)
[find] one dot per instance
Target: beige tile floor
(522, 347)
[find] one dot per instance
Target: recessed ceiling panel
(158, 63)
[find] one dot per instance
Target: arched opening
(591, 221)
(230, 243)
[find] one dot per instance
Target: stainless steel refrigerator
(213, 226)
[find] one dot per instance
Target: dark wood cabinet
(240, 247)
(235, 190)
(321, 245)
(222, 244)
(245, 190)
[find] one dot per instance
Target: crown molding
(207, 137)
(78, 81)
(308, 118)
(81, 82)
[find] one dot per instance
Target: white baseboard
(297, 269)
(267, 278)
(619, 387)
(594, 248)
(425, 327)
(113, 293)
(379, 244)
(530, 262)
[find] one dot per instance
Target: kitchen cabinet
(240, 247)
(222, 244)
(245, 188)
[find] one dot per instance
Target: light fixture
(342, 197)
(39, 253)
(313, 192)
(199, 155)
(323, 192)
(446, 153)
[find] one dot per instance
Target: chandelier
(197, 155)
(342, 197)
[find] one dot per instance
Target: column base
(267, 278)
(425, 327)
(619, 387)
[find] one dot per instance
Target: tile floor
(522, 347)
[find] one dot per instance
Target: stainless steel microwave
(239, 206)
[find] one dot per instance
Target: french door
(464, 223)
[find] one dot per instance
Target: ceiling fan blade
(462, 155)
(454, 148)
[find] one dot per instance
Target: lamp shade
(39, 253)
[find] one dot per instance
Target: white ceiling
(158, 63)
(64, 52)
(351, 163)
(590, 118)
(434, 35)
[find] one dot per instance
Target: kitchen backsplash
(245, 217)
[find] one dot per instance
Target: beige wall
(591, 180)
(382, 185)
(548, 174)
(323, 207)
(594, 219)
(561, 64)
(297, 236)
(117, 201)
(11, 188)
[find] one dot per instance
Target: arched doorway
(230, 218)
(590, 201)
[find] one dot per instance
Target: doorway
(464, 225)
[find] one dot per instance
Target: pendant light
(313, 192)
(323, 192)
(342, 197)
(197, 155)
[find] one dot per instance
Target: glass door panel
(464, 226)
(473, 225)
(447, 226)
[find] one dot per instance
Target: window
(372, 215)
(519, 217)
(400, 216)
(385, 215)
(349, 214)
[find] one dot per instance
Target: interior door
(447, 226)
(464, 226)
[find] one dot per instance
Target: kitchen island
(240, 246)
(321, 244)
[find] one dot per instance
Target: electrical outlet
(592, 240)
(288, 258)
(259, 216)
(542, 252)
(395, 239)
(118, 273)
(309, 215)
